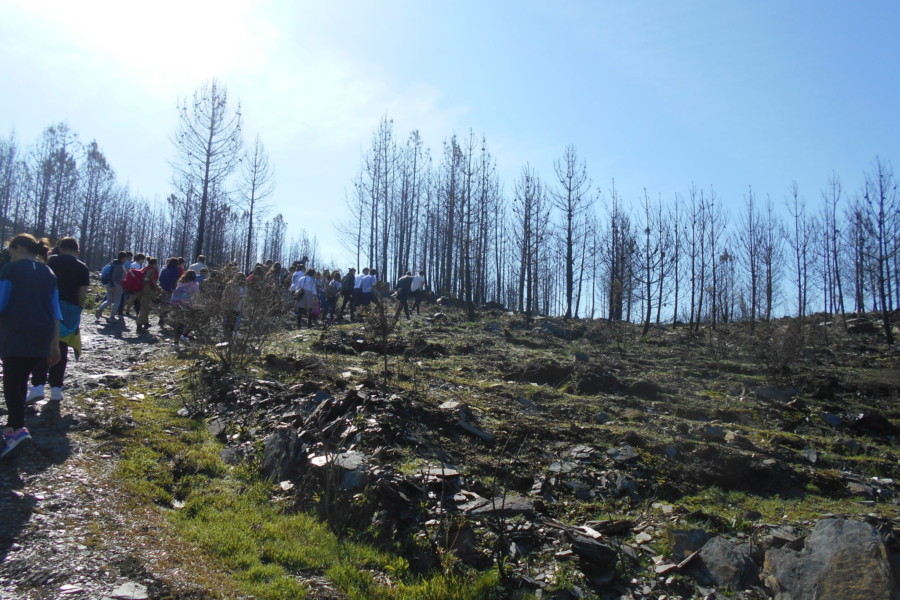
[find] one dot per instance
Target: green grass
(731, 505)
(228, 513)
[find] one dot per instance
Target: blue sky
(655, 95)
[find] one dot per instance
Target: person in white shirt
(200, 264)
(304, 288)
(140, 260)
(367, 287)
(357, 293)
(418, 290)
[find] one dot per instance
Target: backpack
(332, 290)
(134, 280)
(106, 273)
(347, 283)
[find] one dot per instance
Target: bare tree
(800, 240)
(696, 246)
(54, 177)
(97, 182)
(715, 225)
(573, 200)
(12, 178)
(772, 249)
(833, 289)
(651, 253)
(677, 246)
(208, 140)
(619, 253)
(257, 184)
(750, 244)
(882, 206)
(531, 216)
(274, 239)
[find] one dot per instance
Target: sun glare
(169, 43)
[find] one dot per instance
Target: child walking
(29, 329)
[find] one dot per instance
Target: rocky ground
(595, 462)
(66, 531)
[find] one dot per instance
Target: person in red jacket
(149, 290)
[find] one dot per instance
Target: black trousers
(16, 371)
(56, 373)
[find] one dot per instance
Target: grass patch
(730, 505)
(228, 513)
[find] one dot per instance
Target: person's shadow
(50, 446)
(118, 328)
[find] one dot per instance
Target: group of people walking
(43, 291)
(42, 294)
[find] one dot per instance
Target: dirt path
(65, 531)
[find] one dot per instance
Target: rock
(645, 389)
(442, 472)
(463, 543)
(666, 509)
(216, 428)
(542, 371)
(453, 405)
(229, 456)
(840, 560)
(735, 439)
(555, 329)
(601, 418)
(874, 423)
(350, 461)
(724, 564)
(832, 420)
(622, 454)
(278, 455)
(685, 542)
(798, 405)
(503, 506)
(130, 591)
(582, 452)
(354, 480)
(771, 394)
(811, 455)
(581, 491)
(493, 327)
(562, 467)
(861, 326)
(590, 378)
(582, 357)
(621, 484)
(850, 445)
(861, 489)
(476, 432)
(598, 559)
(713, 433)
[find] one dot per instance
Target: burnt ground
(734, 431)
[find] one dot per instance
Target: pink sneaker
(14, 438)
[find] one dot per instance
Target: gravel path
(65, 530)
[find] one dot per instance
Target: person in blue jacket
(29, 329)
